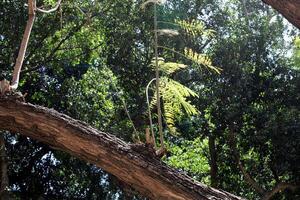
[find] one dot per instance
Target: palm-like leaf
(195, 28)
(200, 59)
(168, 67)
(175, 96)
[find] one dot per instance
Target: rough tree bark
(135, 165)
(213, 161)
(290, 9)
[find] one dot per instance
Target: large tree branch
(131, 164)
(290, 9)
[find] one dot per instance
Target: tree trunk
(290, 9)
(134, 165)
(4, 193)
(213, 161)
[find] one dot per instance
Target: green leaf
(175, 102)
(168, 67)
(201, 59)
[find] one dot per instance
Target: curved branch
(280, 187)
(51, 10)
(56, 48)
(149, 110)
(135, 165)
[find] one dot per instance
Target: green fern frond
(174, 96)
(195, 28)
(171, 67)
(167, 67)
(201, 59)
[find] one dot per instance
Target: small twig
(51, 55)
(266, 195)
(125, 107)
(129, 117)
(249, 179)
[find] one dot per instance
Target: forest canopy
(229, 93)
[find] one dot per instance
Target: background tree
(252, 106)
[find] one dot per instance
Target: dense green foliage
(297, 53)
(90, 56)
